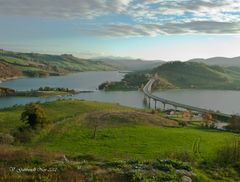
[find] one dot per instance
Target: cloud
(187, 10)
(138, 30)
(62, 8)
(139, 10)
(149, 17)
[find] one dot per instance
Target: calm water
(224, 101)
(82, 81)
(217, 100)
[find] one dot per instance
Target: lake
(224, 101)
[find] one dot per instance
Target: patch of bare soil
(8, 71)
(108, 118)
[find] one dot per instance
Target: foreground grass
(138, 142)
(119, 138)
(122, 134)
(56, 111)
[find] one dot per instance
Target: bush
(34, 116)
(137, 176)
(182, 123)
(185, 156)
(169, 165)
(23, 134)
(6, 138)
(229, 153)
(234, 124)
(163, 166)
(153, 111)
(166, 177)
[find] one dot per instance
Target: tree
(234, 123)
(208, 119)
(34, 116)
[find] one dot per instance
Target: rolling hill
(36, 65)
(91, 141)
(197, 75)
(8, 71)
(130, 64)
(182, 75)
(220, 61)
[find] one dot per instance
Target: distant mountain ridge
(130, 64)
(220, 61)
(15, 64)
(35, 64)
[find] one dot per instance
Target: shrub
(234, 124)
(34, 116)
(166, 177)
(137, 176)
(168, 165)
(229, 153)
(163, 167)
(23, 134)
(182, 123)
(185, 156)
(6, 138)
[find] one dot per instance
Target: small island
(41, 92)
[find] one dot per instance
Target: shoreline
(10, 78)
(24, 76)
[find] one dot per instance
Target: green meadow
(117, 137)
(92, 141)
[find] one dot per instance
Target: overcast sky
(147, 29)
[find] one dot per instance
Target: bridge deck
(147, 91)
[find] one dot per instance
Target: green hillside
(182, 75)
(220, 61)
(131, 64)
(197, 75)
(33, 64)
(118, 129)
(129, 143)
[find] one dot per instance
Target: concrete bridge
(148, 93)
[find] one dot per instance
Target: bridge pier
(164, 106)
(145, 100)
(149, 102)
(148, 96)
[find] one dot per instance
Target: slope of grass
(181, 75)
(56, 111)
(8, 71)
(194, 75)
(15, 61)
(33, 64)
(130, 142)
(121, 132)
(126, 145)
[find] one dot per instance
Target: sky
(146, 29)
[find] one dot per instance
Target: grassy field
(117, 137)
(130, 142)
(126, 144)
